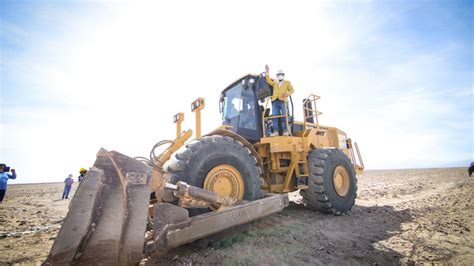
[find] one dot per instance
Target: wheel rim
(226, 181)
(341, 181)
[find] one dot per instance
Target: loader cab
(240, 108)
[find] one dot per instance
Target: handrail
(275, 116)
(263, 118)
(311, 112)
(360, 157)
(351, 150)
(354, 159)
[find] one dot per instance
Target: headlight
(199, 103)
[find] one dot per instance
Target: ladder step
(302, 187)
(282, 170)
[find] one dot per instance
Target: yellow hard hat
(82, 170)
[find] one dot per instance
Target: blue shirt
(4, 179)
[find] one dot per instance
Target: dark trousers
(2, 194)
(66, 191)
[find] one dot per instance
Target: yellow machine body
(283, 159)
(208, 184)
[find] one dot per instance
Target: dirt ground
(400, 216)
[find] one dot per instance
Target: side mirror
(221, 104)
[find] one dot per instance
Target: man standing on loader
(281, 90)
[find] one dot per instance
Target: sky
(75, 76)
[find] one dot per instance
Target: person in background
(67, 186)
(82, 174)
(4, 176)
(471, 169)
(281, 90)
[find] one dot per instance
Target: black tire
(321, 194)
(193, 161)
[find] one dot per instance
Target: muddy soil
(400, 216)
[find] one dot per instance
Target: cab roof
(238, 80)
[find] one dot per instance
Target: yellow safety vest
(280, 91)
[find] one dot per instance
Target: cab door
(241, 110)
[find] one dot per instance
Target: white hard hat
(70, 175)
(281, 72)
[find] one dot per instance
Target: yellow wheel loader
(127, 208)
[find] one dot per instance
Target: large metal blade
(107, 219)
